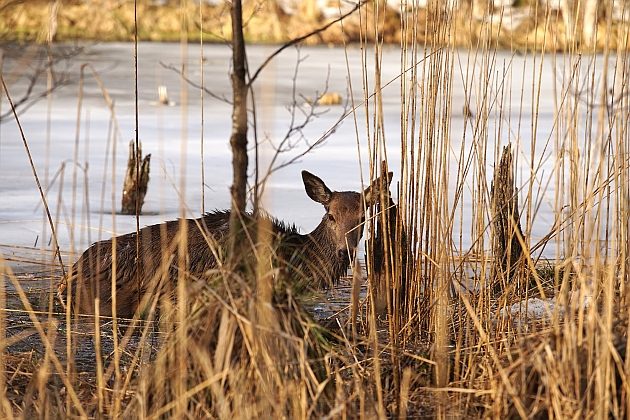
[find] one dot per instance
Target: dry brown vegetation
(266, 22)
(434, 337)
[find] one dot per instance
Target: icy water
(80, 190)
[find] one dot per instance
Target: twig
(28, 99)
(195, 84)
(302, 38)
(296, 129)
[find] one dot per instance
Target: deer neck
(320, 254)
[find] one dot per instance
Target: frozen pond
(81, 198)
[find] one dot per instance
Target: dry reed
(433, 336)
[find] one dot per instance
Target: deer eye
(331, 217)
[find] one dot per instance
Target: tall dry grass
(433, 336)
(489, 361)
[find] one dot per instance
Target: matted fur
(316, 259)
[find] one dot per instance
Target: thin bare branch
(302, 38)
(195, 84)
(32, 95)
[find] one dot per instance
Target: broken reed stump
(387, 251)
(380, 250)
(136, 180)
(507, 248)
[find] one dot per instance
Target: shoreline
(34, 22)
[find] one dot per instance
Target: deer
(138, 268)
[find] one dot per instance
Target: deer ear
(316, 189)
(373, 192)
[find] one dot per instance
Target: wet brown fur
(318, 258)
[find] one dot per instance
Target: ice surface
(90, 187)
(532, 309)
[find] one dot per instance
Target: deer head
(345, 211)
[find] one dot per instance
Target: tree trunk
(136, 180)
(238, 138)
(506, 245)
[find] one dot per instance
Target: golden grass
(244, 347)
(113, 20)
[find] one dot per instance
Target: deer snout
(351, 242)
(343, 254)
